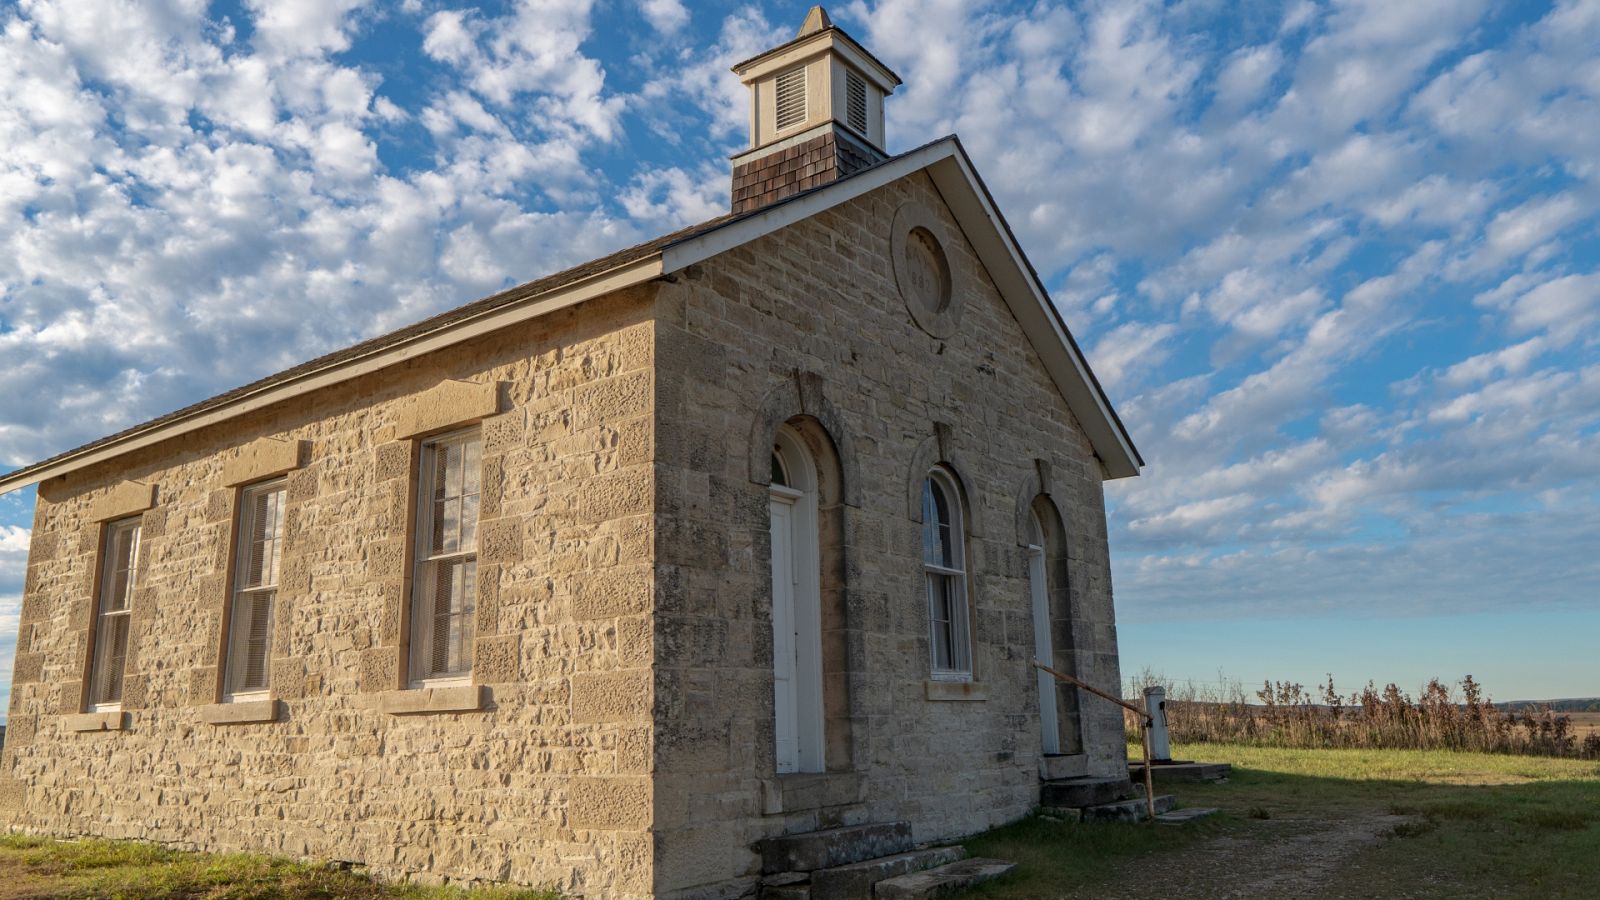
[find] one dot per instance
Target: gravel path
(1285, 856)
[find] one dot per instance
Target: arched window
(944, 562)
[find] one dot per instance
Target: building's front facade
(749, 531)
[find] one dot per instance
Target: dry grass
(1439, 717)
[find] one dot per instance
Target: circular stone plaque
(922, 270)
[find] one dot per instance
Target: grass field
(1334, 823)
(32, 867)
(1303, 823)
(1585, 723)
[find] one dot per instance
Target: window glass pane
(779, 476)
(253, 640)
(112, 653)
(939, 615)
(452, 588)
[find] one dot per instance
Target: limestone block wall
(546, 783)
(809, 322)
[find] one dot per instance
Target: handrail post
(1145, 724)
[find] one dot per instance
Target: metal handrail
(1145, 724)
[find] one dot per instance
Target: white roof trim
(985, 229)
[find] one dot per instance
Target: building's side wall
(546, 786)
(820, 298)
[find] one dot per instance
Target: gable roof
(945, 161)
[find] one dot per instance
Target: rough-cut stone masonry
(819, 299)
(619, 740)
(547, 784)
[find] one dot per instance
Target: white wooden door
(784, 701)
(1049, 724)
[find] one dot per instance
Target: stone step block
(1082, 792)
(1184, 816)
(1182, 773)
(786, 886)
(943, 881)
(855, 881)
(833, 847)
(1127, 810)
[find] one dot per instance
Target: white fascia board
(626, 275)
(958, 183)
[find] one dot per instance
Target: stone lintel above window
(128, 498)
(262, 459)
(446, 406)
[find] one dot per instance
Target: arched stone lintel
(937, 450)
(802, 394)
(1034, 484)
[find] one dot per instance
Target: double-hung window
(257, 556)
(944, 566)
(444, 583)
(118, 575)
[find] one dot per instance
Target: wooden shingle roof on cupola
(816, 113)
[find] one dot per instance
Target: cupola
(816, 113)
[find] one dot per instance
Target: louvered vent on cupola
(856, 102)
(791, 90)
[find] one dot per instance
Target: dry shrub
(1285, 714)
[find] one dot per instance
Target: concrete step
(944, 880)
(855, 881)
(1181, 773)
(1127, 810)
(1084, 791)
(1186, 815)
(833, 847)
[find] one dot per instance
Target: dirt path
(1285, 856)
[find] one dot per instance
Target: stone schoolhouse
(606, 581)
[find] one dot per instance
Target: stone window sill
(240, 712)
(96, 721)
(955, 690)
(420, 701)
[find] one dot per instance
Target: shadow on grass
(1540, 838)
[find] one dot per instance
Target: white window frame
(104, 615)
(952, 574)
(243, 592)
(420, 654)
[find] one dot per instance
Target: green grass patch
(1475, 825)
(43, 867)
(1054, 857)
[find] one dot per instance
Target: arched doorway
(796, 607)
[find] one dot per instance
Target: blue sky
(1338, 264)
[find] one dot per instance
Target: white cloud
(665, 16)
